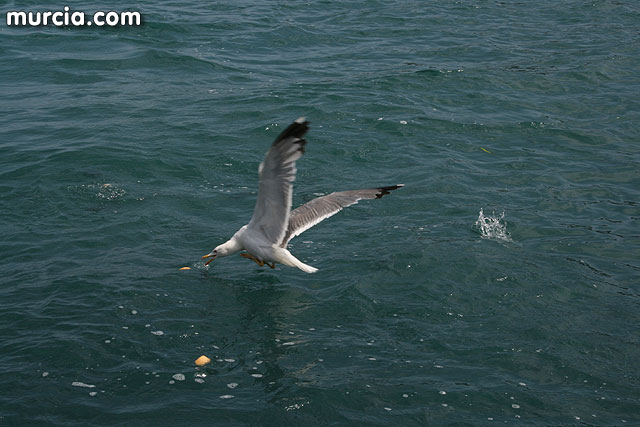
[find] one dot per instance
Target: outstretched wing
(277, 173)
(316, 210)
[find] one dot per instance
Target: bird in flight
(273, 224)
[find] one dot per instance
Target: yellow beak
(209, 256)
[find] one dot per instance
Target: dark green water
(127, 153)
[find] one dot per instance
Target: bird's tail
(305, 267)
(290, 260)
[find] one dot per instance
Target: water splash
(493, 227)
(110, 192)
(103, 191)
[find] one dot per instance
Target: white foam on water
(493, 227)
(81, 384)
(109, 191)
(296, 406)
(178, 377)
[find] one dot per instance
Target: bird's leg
(249, 256)
(272, 265)
(252, 258)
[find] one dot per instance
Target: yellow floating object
(202, 360)
(185, 268)
(485, 150)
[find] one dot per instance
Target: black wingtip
(296, 129)
(383, 191)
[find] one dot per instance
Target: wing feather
(277, 173)
(321, 208)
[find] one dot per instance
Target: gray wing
(316, 210)
(277, 173)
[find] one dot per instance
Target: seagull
(273, 224)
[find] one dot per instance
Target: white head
(230, 247)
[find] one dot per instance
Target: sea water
(128, 152)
